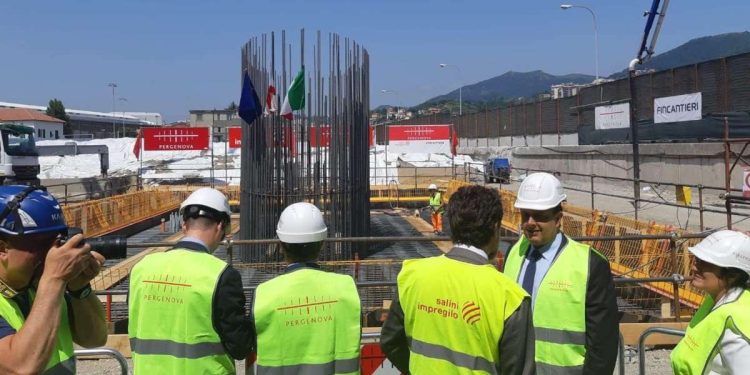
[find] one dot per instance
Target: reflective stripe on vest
(444, 302)
(176, 349)
(62, 360)
(559, 336)
(170, 309)
(702, 339)
(454, 357)
(560, 331)
(436, 199)
(546, 368)
(341, 366)
(307, 306)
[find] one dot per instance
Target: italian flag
(295, 96)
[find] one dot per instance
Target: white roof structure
(77, 114)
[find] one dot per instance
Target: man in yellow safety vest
(571, 286)
(186, 306)
(436, 209)
(455, 313)
(307, 320)
(46, 303)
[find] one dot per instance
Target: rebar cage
(321, 155)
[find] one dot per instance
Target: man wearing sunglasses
(46, 301)
(571, 287)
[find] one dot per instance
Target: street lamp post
(596, 33)
(113, 86)
(122, 113)
(460, 87)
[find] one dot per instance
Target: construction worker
(437, 208)
(186, 306)
(307, 320)
(46, 303)
(571, 286)
(455, 313)
(716, 341)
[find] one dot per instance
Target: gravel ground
(657, 363)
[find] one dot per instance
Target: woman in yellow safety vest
(717, 340)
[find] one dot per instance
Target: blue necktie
(528, 277)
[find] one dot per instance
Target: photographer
(46, 301)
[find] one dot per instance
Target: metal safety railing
(108, 352)
(644, 288)
(642, 343)
(375, 336)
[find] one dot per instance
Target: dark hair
(302, 252)
(474, 213)
(734, 277)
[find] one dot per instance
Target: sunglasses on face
(538, 216)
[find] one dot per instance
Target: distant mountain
(510, 85)
(697, 50)
(513, 85)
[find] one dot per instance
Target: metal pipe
(642, 344)
(727, 172)
(700, 206)
(675, 284)
(634, 136)
(105, 352)
(380, 284)
(436, 239)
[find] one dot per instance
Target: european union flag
(250, 107)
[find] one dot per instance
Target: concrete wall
(482, 148)
(687, 163)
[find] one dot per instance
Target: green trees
(56, 109)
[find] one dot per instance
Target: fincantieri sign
(678, 108)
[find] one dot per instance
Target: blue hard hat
(29, 210)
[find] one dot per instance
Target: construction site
(374, 210)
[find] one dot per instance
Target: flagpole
(211, 139)
(226, 173)
(140, 154)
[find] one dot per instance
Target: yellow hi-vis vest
(454, 314)
(559, 307)
(307, 322)
(702, 338)
(62, 360)
(435, 201)
(170, 308)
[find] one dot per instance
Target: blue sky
(172, 56)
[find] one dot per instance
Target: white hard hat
(301, 223)
(432, 187)
(208, 198)
(540, 191)
(725, 248)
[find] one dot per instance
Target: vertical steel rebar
(321, 156)
(675, 283)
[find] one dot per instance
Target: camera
(110, 247)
